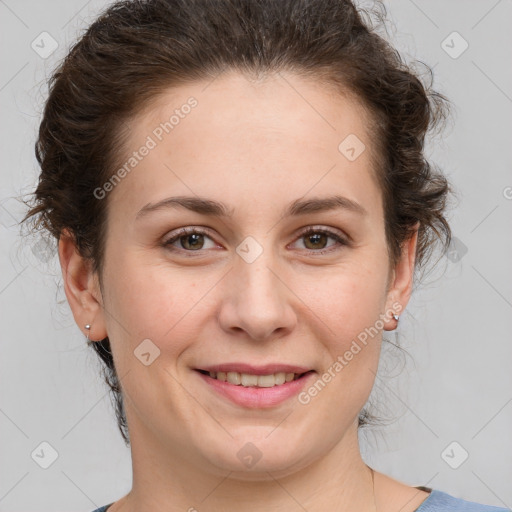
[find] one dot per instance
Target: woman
(241, 201)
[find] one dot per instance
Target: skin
(255, 146)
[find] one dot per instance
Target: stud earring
(88, 328)
(396, 317)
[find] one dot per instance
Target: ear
(401, 281)
(82, 288)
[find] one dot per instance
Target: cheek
(351, 336)
(148, 300)
(348, 300)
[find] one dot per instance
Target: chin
(260, 459)
(263, 470)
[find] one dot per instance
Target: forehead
(274, 105)
(273, 138)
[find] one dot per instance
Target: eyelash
(309, 231)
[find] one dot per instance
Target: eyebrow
(216, 209)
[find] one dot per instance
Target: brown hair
(137, 49)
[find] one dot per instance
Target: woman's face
(255, 164)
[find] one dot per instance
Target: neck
(168, 480)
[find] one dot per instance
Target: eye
(316, 239)
(190, 240)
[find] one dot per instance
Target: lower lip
(255, 397)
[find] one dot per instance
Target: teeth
(234, 378)
(248, 380)
(280, 378)
(266, 381)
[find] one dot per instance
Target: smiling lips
(249, 380)
(240, 374)
(250, 386)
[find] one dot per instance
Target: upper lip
(250, 369)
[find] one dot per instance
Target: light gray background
(458, 385)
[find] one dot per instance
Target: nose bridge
(258, 285)
(258, 281)
(252, 266)
(258, 299)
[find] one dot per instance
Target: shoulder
(439, 501)
(102, 509)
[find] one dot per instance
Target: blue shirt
(437, 501)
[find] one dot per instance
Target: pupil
(316, 238)
(195, 237)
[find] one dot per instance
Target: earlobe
(400, 289)
(82, 288)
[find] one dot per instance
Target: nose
(257, 300)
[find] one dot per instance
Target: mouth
(248, 380)
(255, 387)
